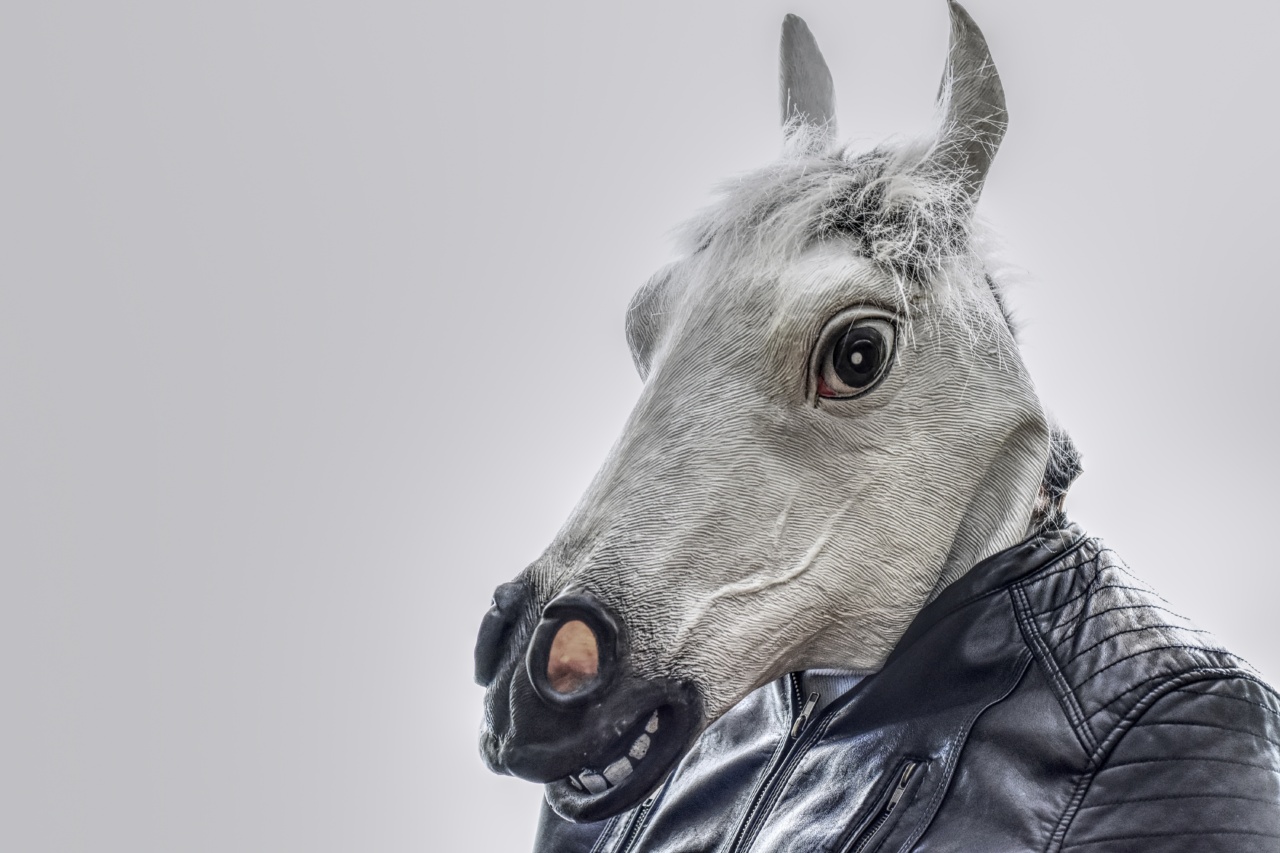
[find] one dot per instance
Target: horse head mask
(835, 423)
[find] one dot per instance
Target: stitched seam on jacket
(1122, 728)
(957, 747)
(1236, 698)
(1202, 759)
(1155, 694)
(1099, 570)
(1053, 568)
(604, 835)
(1061, 689)
(1091, 590)
(1095, 614)
(1159, 627)
(1183, 647)
(1213, 726)
(1181, 834)
(1217, 796)
(1241, 674)
(1059, 834)
(1101, 709)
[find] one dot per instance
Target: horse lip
(679, 724)
(554, 760)
(595, 737)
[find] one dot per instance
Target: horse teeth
(618, 770)
(615, 773)
(593, 782)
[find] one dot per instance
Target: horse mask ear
(807, 95)
(971, 101)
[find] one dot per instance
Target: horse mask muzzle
(564, 706)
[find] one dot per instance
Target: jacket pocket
(900, 787)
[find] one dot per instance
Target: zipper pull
(801, 720)
(902, 786)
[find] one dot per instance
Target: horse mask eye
(853, 355)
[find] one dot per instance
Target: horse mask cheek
(813, 542)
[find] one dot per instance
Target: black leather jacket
(1046, 701)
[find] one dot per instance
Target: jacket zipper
(802, 710)
(863, 839)
(803, 719)
(632, 834)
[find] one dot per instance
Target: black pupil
(858, 356)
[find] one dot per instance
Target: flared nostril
(505, 608)
(574, 660)
(573, 654)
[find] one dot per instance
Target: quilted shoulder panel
(1197, 770)
(1106, 639)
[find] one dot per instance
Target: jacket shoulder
(1195, 768)
(1107, 642)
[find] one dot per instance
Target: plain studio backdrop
(311, 334)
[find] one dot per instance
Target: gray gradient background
(311, 333)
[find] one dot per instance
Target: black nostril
(503, 612)
(573, 654)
